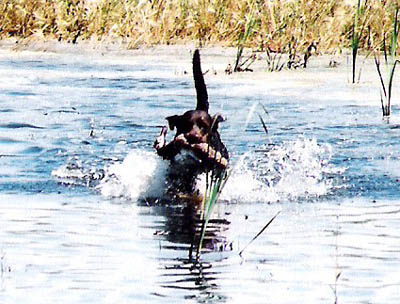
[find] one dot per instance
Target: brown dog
(196, 131)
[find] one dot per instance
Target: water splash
(75, 172)
(293, 171)
(142, 174)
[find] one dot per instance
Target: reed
(216, 179)
(215, 182)
(288, 26)
(244, 36)
(274, 217)
(357, 33)
(390, 65)
(259, 233)
(274, 61)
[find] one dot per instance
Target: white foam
(290, 171)
(140, 175)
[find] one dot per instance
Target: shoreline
(219, 56)
(215, 60)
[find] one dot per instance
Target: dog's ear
(172, 121)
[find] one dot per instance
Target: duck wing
(201, 89)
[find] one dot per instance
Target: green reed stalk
(216, 179)
(356, 35)
(259, 233)
(215, 182)
(243, 37)
(393, 61)
(355, 41)
(390, 64)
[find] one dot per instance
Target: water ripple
(82, 190)
(18, 125)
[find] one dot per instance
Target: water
(81, 207)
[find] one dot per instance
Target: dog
(197, 145)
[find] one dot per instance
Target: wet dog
(197, 145)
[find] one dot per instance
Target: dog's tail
(201, 89)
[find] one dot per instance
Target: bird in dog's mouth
(196, 136)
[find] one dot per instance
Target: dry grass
(288, 26)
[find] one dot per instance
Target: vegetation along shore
(291, 26)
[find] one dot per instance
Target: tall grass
(244, 35)
(282, 26)
(62, 19)
(390, 65)
(357, 32)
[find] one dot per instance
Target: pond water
(81, 213)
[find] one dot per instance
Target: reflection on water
(102, 251)
(182, 274)
(180, 232)
(81, 207)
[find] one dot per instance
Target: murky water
(79, 182)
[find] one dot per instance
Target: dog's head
(195, 125)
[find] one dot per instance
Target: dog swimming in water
(197, 145)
